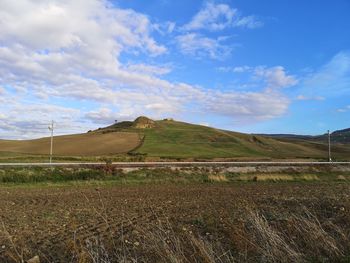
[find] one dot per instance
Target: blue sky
(272, 66)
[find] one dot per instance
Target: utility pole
(329, 147)
(51, 144)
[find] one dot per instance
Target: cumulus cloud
(276, 77)
(248, 106)
(28, 120)
(102, 116)
(216, 17)
(212, 17)
(61, 60)
(92, 24)
(273, 77)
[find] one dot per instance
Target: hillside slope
(89, 144)
(173, 139)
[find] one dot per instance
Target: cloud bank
(61, 59)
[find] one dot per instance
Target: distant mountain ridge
(339, 136)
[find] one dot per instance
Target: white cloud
(275, 77)
(92, 24)
(216, 17)
(165, 28)
(317, 98)
(28, 120)
(249, 22)
(331, 80)
(102, 116)
(239, 69)
(345, 109)
(148, 69)
(80, 59)
(248, 106)
(212, 17)
(200, 46)
(67, 54)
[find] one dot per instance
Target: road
(169, 164)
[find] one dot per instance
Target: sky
(273, 66)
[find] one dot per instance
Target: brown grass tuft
(267, 177)
(271, 245)
(217, 178)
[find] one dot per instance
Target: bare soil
(51, 221)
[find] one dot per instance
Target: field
(146, 139)
(89, 144)
(160, 216)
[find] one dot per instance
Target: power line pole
(51, 144)
(329, 146)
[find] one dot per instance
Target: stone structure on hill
(143, 122)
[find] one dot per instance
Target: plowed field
(52, 221)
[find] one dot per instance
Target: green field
(182, 140)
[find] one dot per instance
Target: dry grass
(309, 177)
(341, 178)
(210, 253)
(314, 237)
(304, 239)
(160, 242)
(267, 177)
(271, 246)
(217, 178)
(87, 144)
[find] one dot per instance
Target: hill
(173, 139)
(339, 137)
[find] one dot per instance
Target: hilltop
(171, 139)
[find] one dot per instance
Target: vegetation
(339, 137)
(107, 173)
(169, 139)
(88, 144)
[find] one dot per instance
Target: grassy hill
(173, 139)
